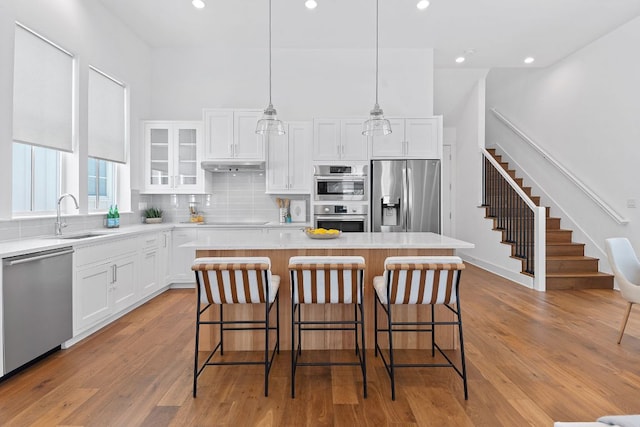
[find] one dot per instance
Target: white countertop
(10, 248)
(240, 225)
(279, 236)
(295, 239)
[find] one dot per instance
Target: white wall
(583, 111)
(452, 89)
(96, 38)
(306, 83)
(470, 222)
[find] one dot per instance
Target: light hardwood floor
(533, 358)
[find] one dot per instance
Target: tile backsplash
(25, 228)
(234, 197)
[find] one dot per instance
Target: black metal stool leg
(392, 373)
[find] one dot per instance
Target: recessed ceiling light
(198, 4)
(311, 4)
(460, 59)
(529, 59)
(422, 4)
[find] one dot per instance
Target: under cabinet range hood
(233, 165)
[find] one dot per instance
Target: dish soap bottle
(110, 217)
(116, 217)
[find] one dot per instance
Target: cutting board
(298, 210)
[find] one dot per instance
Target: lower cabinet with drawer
(104, 285)
(113, 277)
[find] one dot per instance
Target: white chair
(236, 280)
(422, 280)
(326, 280)
(626, 268)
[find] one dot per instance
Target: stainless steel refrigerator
(405, 195)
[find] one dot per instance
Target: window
(107, 138)
(102, 184)
(35, 179)
(42, 120)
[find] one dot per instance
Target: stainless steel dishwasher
(36, 305)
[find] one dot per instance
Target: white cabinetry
(339, 139)
(231, 135)
(172, 157)
(115, 276)
(150, 263)
(92, 296)
(105, 283)
(410, 138)
(289, 161)
(165, 258)
(123, 282)
(182, 258)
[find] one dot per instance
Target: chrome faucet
(59, 224)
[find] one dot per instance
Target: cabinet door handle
(231, 150)
(115, 273)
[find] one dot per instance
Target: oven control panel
(359, 209)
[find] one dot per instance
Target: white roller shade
(107, 134)
(42, 92)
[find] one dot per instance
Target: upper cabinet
(231, 135)
(289, 160)
(172, 157)
(339, 139)
(410, 138)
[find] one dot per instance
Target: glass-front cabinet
(172, 157)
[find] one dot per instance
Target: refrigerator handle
(405, 199)
(409, 191)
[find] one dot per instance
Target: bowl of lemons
(322, 233)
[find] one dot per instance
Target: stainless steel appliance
(405, 195)
(348, 218)
(36, 305)
(336, 182)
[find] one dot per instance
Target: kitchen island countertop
(296, 239)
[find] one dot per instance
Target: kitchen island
(280, 245)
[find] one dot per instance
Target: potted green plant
(153, 216)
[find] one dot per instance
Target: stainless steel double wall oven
(341, 197)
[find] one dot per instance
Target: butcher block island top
(297, 239)
(280, 245)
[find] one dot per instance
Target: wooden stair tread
(585, 274)
(565, 244)
(569, 258)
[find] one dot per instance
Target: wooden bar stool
(326, 280)
(428, 280)
(236, 280)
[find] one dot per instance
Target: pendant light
(377, 124)
(269, 123)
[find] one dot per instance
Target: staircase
(567, 266)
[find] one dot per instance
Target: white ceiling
(502, 32)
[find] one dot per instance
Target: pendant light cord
(376, 52)
(270, 53)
